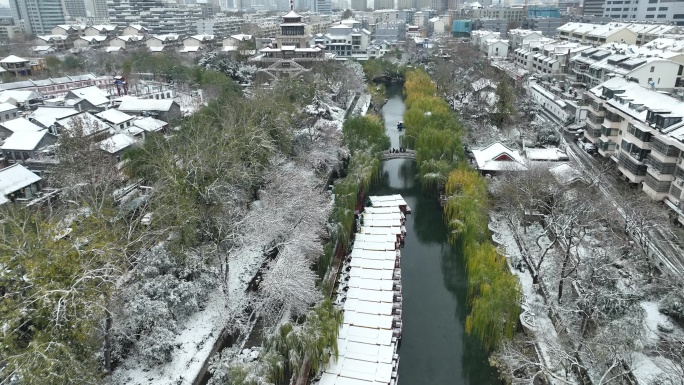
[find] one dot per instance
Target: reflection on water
(435, 349)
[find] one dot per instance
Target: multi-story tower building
(359, 5)
(593, 7)
(75, 8)
(155, 15)
(383, 4)
(406, 4)
(322, 6)
(99, 8)
(37, 16)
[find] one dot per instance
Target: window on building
(649, 16)
(650, 9)
(661, 16)
(652, 68)
(678, 16)
(662, 8)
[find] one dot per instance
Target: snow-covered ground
(291, 210)
(189, 104)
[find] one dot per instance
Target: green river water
(435, 350)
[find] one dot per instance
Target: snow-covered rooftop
(92, 94)
(84, 121)
(7, 107)
(18, 96)
(13, 59)
(24, 140)
(149, 124)
(14, 178)
(497, 157)
(139, 105)
(116, 143)
(545, 154)
(131, 38)
(47, 116)
(89, 39)
(365, 342)
(114, 116)
(20, 124)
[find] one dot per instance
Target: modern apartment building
(359, 5)
(514, 14)
(406, 4)
(519, 36)
(548, 26)
(344, 41)
(38, 17)
(221, 26)
(383, 4)
(629, 33)
(390, 31)
(99, 9)
(643, 131)
(75, 8)
(322, 6)
(155, 15)
(496, 25)
(645, 10)
(593, 7)
(546, 56)
(656, 69)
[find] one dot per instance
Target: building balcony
(659, 174)
(606, 147)
(594, 124)
(592, 134)
(679, 172)
(641, 141)
(663, 158)
(609, 132)
(631, 169)
(656, 189)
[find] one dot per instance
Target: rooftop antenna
(291, 5)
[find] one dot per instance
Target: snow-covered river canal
(435, 349)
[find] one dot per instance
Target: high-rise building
(646, 10)
(37, 16)
(359, 5)
(322, 6)
(155, 15)
(75, 8)
(406, 4)
(593, 7)
(383, 4)
(99, 8)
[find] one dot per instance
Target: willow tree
(313, 340)
(466, 208)
(418, 85)
(364, 134)
(494, 294)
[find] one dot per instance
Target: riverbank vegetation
(434, 131)
(235, 190)
(493, 292)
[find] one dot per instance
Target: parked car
(589, 148)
